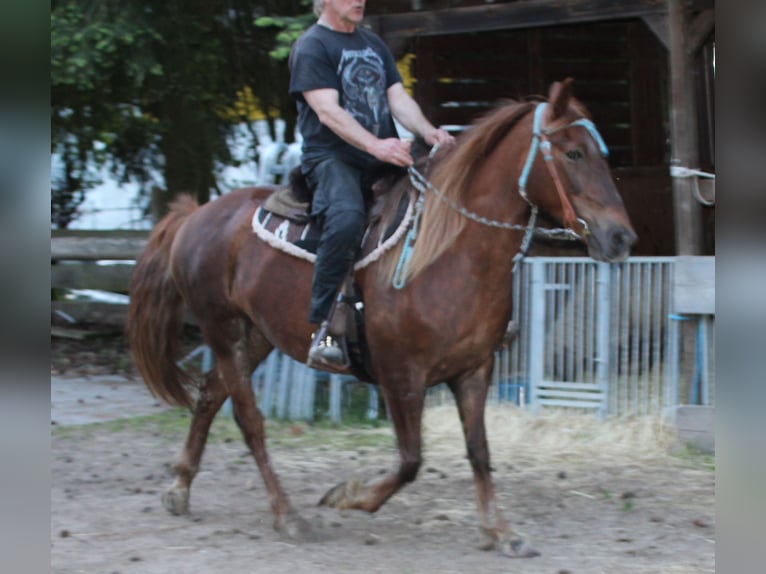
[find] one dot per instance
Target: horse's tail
(155, 318)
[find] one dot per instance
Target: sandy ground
(592, 498)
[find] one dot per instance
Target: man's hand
(438, 136)
(393, 150)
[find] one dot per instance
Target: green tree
(150, 84)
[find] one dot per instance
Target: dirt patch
(592, 498)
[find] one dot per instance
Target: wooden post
(683, 132)
(684, 150)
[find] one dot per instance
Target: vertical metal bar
(625, 339)
(561, 315)
(646, 335)
(270, 374)
(702, 358)
(711, 350)
(283, 388)
(207, 359)
(335, 397)
(590, 326)
(674, 355)
(372, 403)
(296, 391)
(652, 380)
(536, 330)
(309, 394)
(603, 336)
(635, 336)
(521, 345)
(569, 297)
(615, 306)
(580, 330)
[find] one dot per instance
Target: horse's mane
(452, 173)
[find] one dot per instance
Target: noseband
(541, 142)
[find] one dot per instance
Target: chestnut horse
(442, 325)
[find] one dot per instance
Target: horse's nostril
(621, 239)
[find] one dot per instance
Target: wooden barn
(644, 68)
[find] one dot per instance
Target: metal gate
(594, 336)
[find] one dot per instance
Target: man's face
(351, 11)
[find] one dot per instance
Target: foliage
(290, 28)
(153, 85)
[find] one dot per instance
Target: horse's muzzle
(612, 244)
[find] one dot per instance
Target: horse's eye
(574, 154)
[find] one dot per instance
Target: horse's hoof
(295, 527)
(176, 500)
(519, 548)
(342, 495)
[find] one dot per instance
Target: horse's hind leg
(470, 395)
(211, 396)
(406, 409)
(236, 368)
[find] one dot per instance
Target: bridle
(541, 143)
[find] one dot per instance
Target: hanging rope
(680, 171)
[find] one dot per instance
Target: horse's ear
(558, 97)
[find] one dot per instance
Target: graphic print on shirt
(363, 80)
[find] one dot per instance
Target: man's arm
(325, 103)
(409, 114)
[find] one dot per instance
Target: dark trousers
(338, 208)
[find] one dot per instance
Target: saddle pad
(301, 238)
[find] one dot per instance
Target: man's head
(349, 12)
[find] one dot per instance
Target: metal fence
(595, 336)
(600, 336)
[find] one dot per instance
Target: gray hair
(318, 7)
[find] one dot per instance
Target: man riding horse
(348, 91)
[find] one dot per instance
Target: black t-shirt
(361, 68)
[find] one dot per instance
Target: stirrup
(328, 353)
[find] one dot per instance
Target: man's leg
(339, 208)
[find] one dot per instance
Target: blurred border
(741, 285)
(24, 286)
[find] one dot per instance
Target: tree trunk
(188, 146)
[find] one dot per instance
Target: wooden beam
(699, 30)
(114, 315)
(87, 275)
(95, 312)
(93, 247)
(507, 16)
(683, 131)
(658, 24)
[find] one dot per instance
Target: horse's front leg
(406, 410)
(470, 395)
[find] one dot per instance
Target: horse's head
(571, 180)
